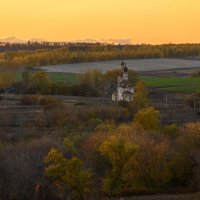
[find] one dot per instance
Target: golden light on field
(142, 21)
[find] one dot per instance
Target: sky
(138, 21)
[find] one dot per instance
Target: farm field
(134, 64)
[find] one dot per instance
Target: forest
(53, 148)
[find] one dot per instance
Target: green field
(156, 81)
(172, 83)
(167, 84)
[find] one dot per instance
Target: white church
(124, 91)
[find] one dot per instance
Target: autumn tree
(186, 162)
(7, 77)
(148, 118)
(141, 95)
(92, 78)
(39, 83)
(90, 147)
(119, 151)
(151, 166)
(110, 81)
(91, 82)
(68, 172)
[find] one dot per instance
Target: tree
(7, 77)
(40, 83)
(90, 83)
(110, 81)
(66, 172)
(141, 95)
(150, 167)
(148, 118)
(28, 157)
(132, 77)
(92, 78)
(119, 151)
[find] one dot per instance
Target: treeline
(76, 53)
(31, 45)
(91, 83)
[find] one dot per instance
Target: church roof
(127, 92)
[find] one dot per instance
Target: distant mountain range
(17, 40)
(115, 41)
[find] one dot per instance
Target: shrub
(49, 100)
(80, 103)
(195, 74)
(1, 97)
(30, 100)
(171, 130)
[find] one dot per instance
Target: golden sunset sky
(142, 21)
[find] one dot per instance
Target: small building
(124, 91)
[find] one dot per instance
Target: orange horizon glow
(141, 21)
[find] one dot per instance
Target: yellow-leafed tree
(141, 95)
(148, 118)
(68, 173)
(119, 151)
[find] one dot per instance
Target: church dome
(125, 69)
(122, 63)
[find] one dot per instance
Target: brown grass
(195, 196)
